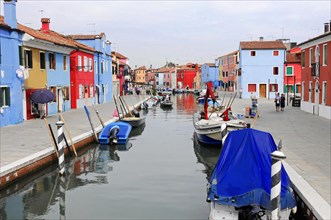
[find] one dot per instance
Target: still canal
(161, 174)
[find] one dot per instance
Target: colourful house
(102, 64)
(316, 74)
(292, 72)
(11, 71)
(209, 73)
(228, 66)
(261, 68)
(140, 74)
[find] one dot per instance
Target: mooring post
(277, 157)
(60, 140)
(62, 197)
(224, 132)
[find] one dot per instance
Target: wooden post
(97, 112)
(89, 119)
(126, 106)
(72, 143)
(119, 114)
(51, 135)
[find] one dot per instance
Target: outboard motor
(135, 113)
(251, 213)
(113, 134)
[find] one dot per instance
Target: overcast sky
(153, 32)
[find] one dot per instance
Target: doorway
(263, 90)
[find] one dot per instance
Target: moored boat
(240, 185)
(115, 133)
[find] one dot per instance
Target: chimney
(45, 24)
(10, 13)
(261, 38)
(326, 27)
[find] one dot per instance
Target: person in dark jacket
(282, 102)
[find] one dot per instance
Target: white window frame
(79, 62)
(91, 90)
(85, 64)
(303, 90)
(4, 94)
(310, 56)
(80, 91)
(310, 97)
(325, 55)
(292, 74)
(324, 93)
(90, 64)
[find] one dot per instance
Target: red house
(316, 74)
(185, 76)
(292, 71)
(82, 77)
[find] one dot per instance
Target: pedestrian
(240, 93)
(277, 102)
(282, 102)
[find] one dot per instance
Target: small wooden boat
(134, 121)
(166, 103)
(116, 132)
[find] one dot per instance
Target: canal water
(160, 174)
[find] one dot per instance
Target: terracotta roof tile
(86, 36)
(54, 37)
(293, 58)
(118, 55)
(246, 45)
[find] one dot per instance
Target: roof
(315, 38)
(2, 22)
(163, 70)
(87, 36)
(141, 68)
(246, 45)
(54, 37)
(229, 54)
(118, 55)
(293, 58)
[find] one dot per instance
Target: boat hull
(122, 135)
(134, 121)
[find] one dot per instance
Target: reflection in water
(136, 131)
(207, 155)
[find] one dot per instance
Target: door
(316, 98)
(263, 90)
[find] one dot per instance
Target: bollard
(60, 140)
(276, 169)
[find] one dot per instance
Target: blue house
(261, 68)
(11, 74)
(102, 64)
(209, 72)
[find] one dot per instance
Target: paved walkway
(305, 137)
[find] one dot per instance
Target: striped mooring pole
(224, 132)
(276, 168)
(62, 197)
(60, 140)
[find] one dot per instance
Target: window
(251, 87)
(53, 90)
(275, 70)
(20, 54)
(81, 91)
(102, 66)
(273, 88)
(28, 58)
(91, 91)
(64, 62)
(253, 53)
(303, 59)
(42, 56)
(85, 64)
(79, 63)
(4, 96)
(95, 67)
(275, 53)
(324, 93)
(90, 64)
(289, 71)
(310, 56)
(52, 61)
(65, 92)
(325, 54)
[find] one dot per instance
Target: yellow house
(140, 74)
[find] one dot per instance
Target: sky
(156, 32)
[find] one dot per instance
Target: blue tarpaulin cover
(242, 175)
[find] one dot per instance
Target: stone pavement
(306, 141)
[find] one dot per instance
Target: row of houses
(78, 69)
(260, 68)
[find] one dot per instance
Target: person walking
(282, 102)
(277, 102)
